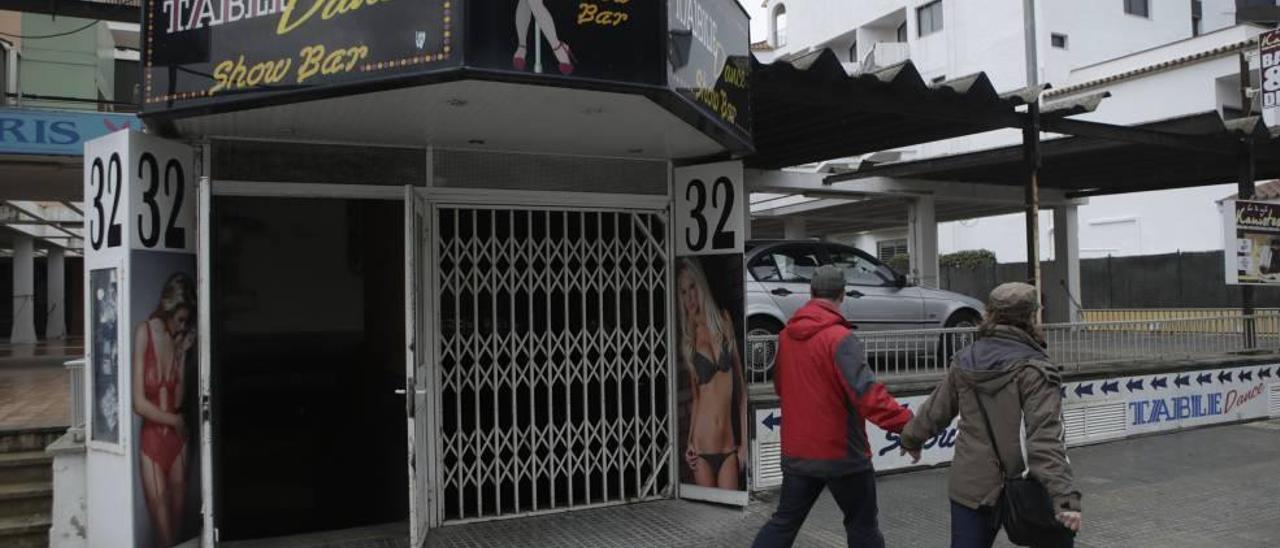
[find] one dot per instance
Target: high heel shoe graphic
(566, 58)
(517, 60)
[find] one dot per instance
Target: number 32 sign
(139, 193)
(709, 209)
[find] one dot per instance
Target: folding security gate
(552, 356)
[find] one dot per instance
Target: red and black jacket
(828, 391)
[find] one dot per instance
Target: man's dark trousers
(854, 493)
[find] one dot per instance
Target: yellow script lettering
(318, 60)
(328, 9)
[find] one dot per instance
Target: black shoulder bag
(1025, 507)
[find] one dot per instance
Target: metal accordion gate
(552, 353)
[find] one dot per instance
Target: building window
(1141, 8)
(929, 18)
(902, 32)
(888, 249)
(1058, 40)
(780, 26)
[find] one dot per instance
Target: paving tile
(1207, 487)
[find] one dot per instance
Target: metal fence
(76, 370)
(928, 351)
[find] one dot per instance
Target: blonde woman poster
(162, 332)
(711, 388)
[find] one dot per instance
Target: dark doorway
(308, 351)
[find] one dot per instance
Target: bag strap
(991, 433)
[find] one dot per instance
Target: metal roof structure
(1088, 166)
(810, 109)
(872, 213)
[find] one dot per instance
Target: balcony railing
(76, 370)
(884, 54)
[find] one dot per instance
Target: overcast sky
(756, 9)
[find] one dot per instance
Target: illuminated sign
(710, 59)
(208, 52)
(690, 56)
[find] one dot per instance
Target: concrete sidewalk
(1208, 487)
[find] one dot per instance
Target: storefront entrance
(308, 366)
(553, 358)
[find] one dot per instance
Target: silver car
(878, 299)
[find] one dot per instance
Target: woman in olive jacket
(1008, 366)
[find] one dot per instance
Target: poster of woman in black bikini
(712, 390)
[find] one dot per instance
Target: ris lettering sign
(199, 53)
(56, 133)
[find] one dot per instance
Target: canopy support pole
(1245, 192)
(1031, 149)
(1031, 152)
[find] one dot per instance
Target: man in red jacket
(828, 391)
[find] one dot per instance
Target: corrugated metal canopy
(810, 109)
(875, 213)
(1091, 166)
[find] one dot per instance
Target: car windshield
(861, 269)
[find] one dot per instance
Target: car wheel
(760, 349)
(951, 342)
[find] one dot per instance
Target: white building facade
(1157, 59)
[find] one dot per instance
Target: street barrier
(927, 352)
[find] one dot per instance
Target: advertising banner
(1252, 231)
(163, 330)
(1269, 66)
(214, 52)
(1179, 400)
(56, 132)
(104, 353)
(1145, 404)
(140, 260)
(710, 309)
(710, 60)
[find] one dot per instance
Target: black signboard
(690, 56)
(710, 60)
(615, 40)
(208, 52)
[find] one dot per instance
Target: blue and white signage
(57, 132)
(886, 447)
(1178, 400)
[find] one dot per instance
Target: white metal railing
(928, 351)
(76, 370)
(885, 54)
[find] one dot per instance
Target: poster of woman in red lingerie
(163, 394)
